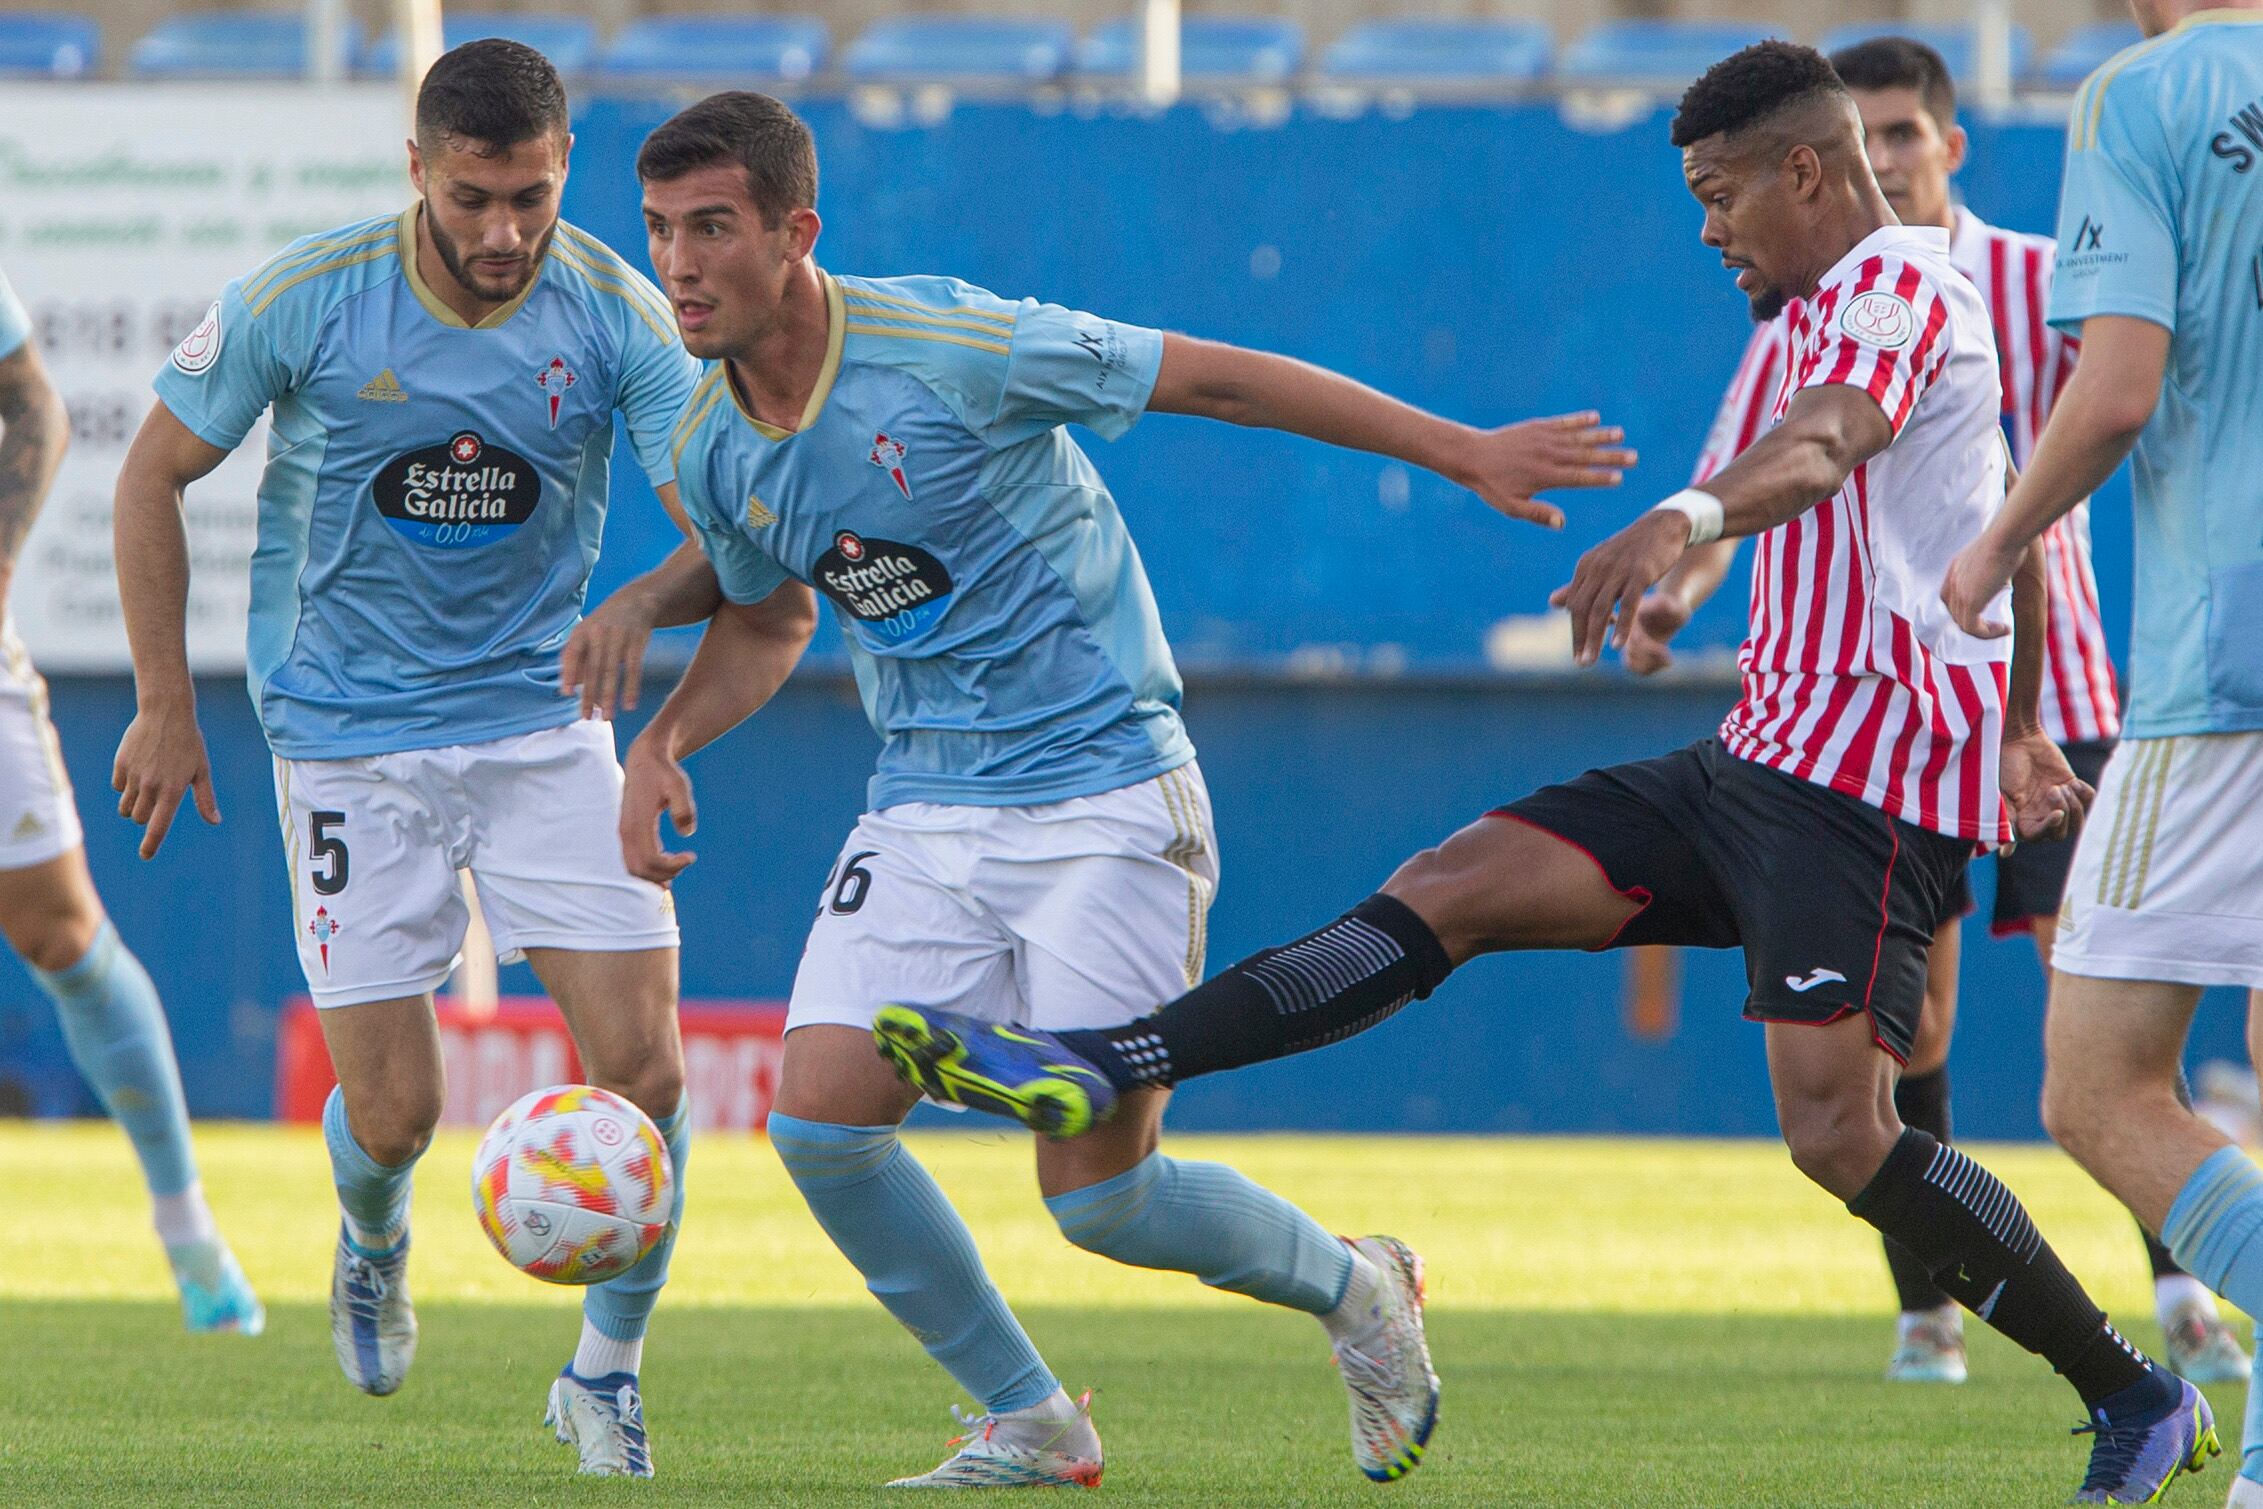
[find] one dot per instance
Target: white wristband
(1702, 509)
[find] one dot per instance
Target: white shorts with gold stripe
(38, 820)
(2168, 877)
(1086, 913)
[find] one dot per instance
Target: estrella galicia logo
(897, 591)
(466, 493)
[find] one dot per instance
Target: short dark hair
(1747, 87)
(760, 134)
(493, 93)
(1900, 63)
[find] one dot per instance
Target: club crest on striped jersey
(888, 455)
(1879, 318)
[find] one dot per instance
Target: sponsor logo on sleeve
(200, 348)
(462, 494)
(894, 591)
(1879, 318)
(1105, 344)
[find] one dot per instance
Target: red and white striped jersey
(2013, 272)
(1855, 677)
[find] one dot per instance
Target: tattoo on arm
(32, 435)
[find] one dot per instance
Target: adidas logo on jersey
(383, 388)
(758, 514)
(29, 826)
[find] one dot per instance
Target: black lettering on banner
(850, 883)
(324, 847)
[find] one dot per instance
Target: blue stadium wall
(1488, 264)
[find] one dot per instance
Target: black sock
(1922, 1100)
(1977, 1241)
(1322, 988)
(2156, 1253)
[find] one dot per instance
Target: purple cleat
(2140, 1451)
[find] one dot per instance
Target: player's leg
(542, 811)
(376, 1125)
(621, 1009)
(1929, 1339)
(896, 922)
(115, 1028)
(1145, 858)
(379, 919)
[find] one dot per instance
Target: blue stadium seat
(1212, 50)
(228, 44)
(963, 49)
(2085, 51)
(1956, 42)
(1656, 54)
(47, 45)
(569, 42)
(768, 49)
(1418, 50)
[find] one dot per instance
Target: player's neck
(1860, 214)
(777, 373)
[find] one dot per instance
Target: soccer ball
(573, 1185)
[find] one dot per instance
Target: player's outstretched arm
(2107, 402)
(1827, 432)
(34, 432)
(603, 662)
(1670, 605)
(162, 757)
(1506, 467)
(744, 657)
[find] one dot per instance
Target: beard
(491, 290)
(1767, 304)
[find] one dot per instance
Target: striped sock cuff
(1983, 1194)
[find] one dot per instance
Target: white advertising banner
(124, 208)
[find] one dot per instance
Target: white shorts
(1085, 913)
(374, 845)
(38, 819)
(2168, 877)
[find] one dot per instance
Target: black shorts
(2031, 878)
(1834, 902)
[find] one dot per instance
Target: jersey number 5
(326, 848)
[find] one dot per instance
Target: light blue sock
(890, 1219)
(374, 1197)
(2251, 1426)
(622, 1307)
(2215, 1232)
(1207, 1220)
(116, 1031)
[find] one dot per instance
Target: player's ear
(1804, 167)
(802, 226)
(1959, 143)
(416, 167)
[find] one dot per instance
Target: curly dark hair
(1747, 87)
(492, 93)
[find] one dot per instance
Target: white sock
(1040, 1426)
(1910, 1320)
(184, 1220)
(600, 1354)
(2173, 1291)
(1359, 1314)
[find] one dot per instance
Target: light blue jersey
(15, 324)
(999, 621)
(434, 492)
(2162, 219)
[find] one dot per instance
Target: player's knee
(53, 938)
(655, 1089)
(1837, 1142)
(399, 1129)
(2068, 1115)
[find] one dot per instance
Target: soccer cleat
(216, 1298)
(602, 1418)
(1017, 1453)
(2201, 1347)
(1020, 1073)
(372, 1323)
(2135, 1459)
(1394, 1392)
(1931, 1351)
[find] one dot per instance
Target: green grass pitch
(1618, 1323)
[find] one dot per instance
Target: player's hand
(1507, 467)
(160, 760)
(654, 783)
(1658, 618)
(1979, 573)
(604, 657)
(2047, 799)
(1611, 579)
